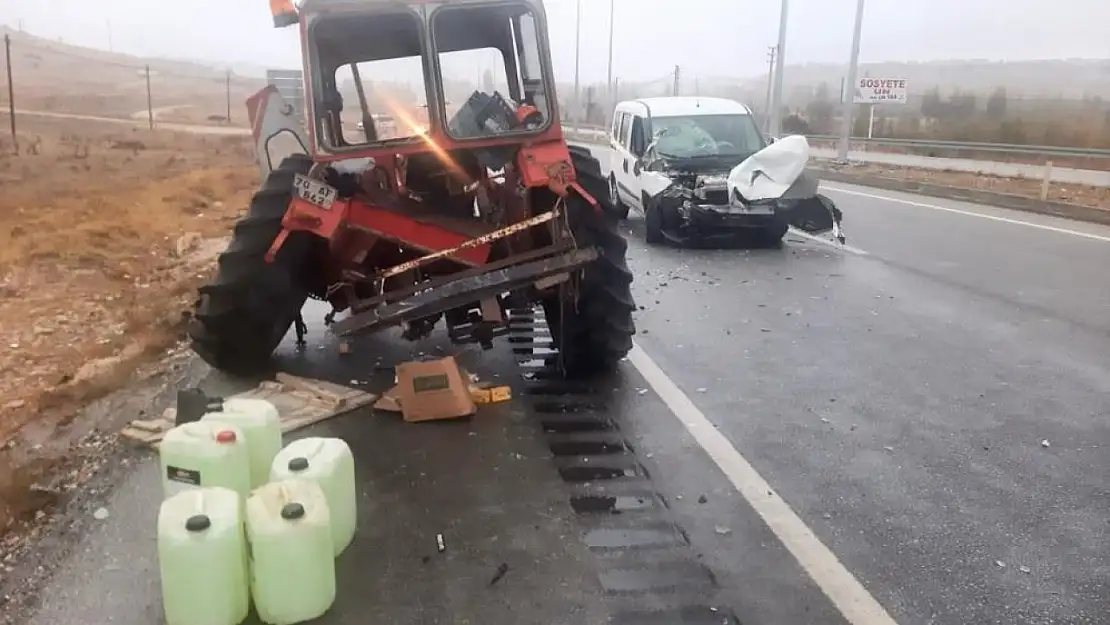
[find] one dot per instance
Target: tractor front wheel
(593, 331)
(247, 309)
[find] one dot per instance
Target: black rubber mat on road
(645, 562)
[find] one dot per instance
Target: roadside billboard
(880, 90)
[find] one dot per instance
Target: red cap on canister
(225, 436)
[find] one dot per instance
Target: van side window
(626, 129)
(639, 143)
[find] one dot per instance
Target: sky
(711, 38)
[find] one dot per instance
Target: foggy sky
(706, 37)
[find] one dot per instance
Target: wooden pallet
(301, 402)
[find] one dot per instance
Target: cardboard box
(433, 389)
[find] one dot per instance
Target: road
(911, 431)
(138, 119)
(1059, 174)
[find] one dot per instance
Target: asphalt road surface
(913, 430)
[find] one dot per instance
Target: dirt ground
(1073, 193)
(105, 232)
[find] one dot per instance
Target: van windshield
(691, 136)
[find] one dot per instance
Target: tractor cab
(461, 75)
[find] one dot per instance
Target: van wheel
(615, 199)
(772, 234)
(653, 220)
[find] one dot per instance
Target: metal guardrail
(974, 146)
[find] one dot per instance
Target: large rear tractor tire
(247, 309)
(594, 332)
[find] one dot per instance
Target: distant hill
(1069, 79)
(55, 76)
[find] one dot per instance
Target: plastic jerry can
(329, 463)
(202, 558)
(204, 454)
(292, 566)
(260, 424)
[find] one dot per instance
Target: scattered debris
(440, 545)
(1046, 444)
(1000, 564)
(703, 499)
(1025, 569)
(301, 402)
(100, 514)
(722, 530)
(501, 570)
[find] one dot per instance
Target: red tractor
(470, 203)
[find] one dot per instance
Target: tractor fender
(277, 130)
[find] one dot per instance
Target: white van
(699, 169)
(636, 123)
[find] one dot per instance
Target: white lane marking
(837, 582)
(1017, 222)
(835, 245)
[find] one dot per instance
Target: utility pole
(780, 59)
(149, 100)
(677, 77)
(770, 82)
(609, 81)
(850, 87)
(577, 57)
(11, 90)
(229, 96)
(609, 90)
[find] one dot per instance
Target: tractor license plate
(314, 191)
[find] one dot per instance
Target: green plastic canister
(202, 558)
(204, 454)
(260, 424)
(292, 566)
(329, 463)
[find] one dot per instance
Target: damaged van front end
(698, 200)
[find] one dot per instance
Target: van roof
(686, 105)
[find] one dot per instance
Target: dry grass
(103, 238)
